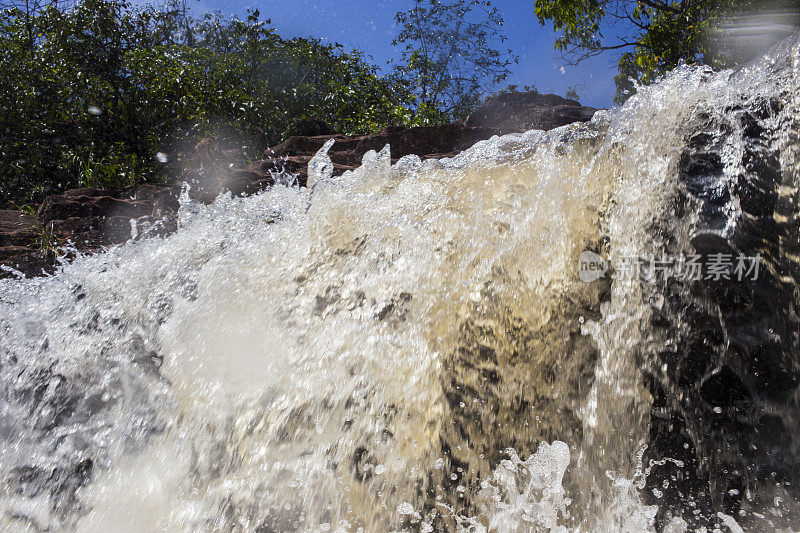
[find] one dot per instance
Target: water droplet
(405, 508)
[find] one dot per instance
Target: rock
(517, 112)
(19, 246)
(16, 228)
(95, 218)
(25, 260)
(88, 219)
(349, 150)
(727, 374)
(91, 203)
(428, 142)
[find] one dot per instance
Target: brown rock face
(427, 142)
(517, 112)
(16, 228)
(94, 218)
(87, 219)
(19, 249)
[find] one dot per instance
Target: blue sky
(369, 25)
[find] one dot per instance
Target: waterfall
(411, 346)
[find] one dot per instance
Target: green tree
(573, 93)
(651, 36)
(90, 95)
(449, 60)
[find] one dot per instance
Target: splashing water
(405, 347)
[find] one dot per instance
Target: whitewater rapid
(406, 347)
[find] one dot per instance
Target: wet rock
(26, 261)
(523, 111)
(88, 203)
(21, 246)
(725, 392)
(429, 142)
(95, 218)
(86, 219)
(16, 228)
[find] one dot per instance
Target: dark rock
(517, 112)
(725, 392)
(89, 203)
(88, 219)
(16, 228)
(21, 246)
(428, 142)
(25, 260)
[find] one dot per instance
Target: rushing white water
(405, 347)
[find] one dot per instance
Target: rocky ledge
(88, 220)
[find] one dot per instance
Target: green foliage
(572, 93)
(41, 237)
(449, 61)
(90, 95)
(653, 36)
(44, 240)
